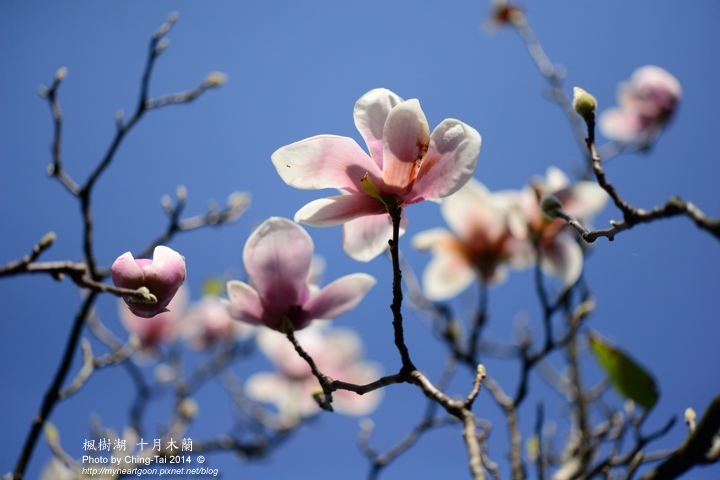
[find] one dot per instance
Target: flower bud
(161, 277)
(584, 103)
(215, 79)
(549, 206)
(60, 74)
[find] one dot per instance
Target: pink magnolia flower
(277, 259)
(407, 164)
(162, 328)
(560, 254)
(337, 352)
(162, 276)
(480, 245)
(207, 323)
(647, 102)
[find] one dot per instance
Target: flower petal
(471, 208)
(449, 163)
(330, 211)
(562, 257)
(126, 273)
(446, 275)
(367, 237)
(277, 259)
(370, 113)
(406, 138)
(583, 200)
(324, 161)
(339, 297)
(165, 274)
(245, 303)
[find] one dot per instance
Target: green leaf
(629, 377)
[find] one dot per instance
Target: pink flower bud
(162, 276)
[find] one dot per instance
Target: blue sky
(295, 70)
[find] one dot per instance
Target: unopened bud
(166, 202)
(42, 90)
(584, 103)
(172, 18)
(690, 417)
(47, 240)
(51, 433)
(550, 206)
(119, 116)
(162, 46)
(181, 192)
(60, 74)
(238, 200)
(164, 373)
(367, 425)
(215, 79)
(188, 408)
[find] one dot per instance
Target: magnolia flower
(337, 353)
(277, 259)
(560, 254)
(481, 244)
(207, 323)
(162, 328)
(407, 164)
(162, 277)
(647, 102)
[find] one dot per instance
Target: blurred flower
(163, 328)
(646, 103)
(407, 164)
(56, 470)
(503, 13)
(162, 276)
(277, 259)
(207, 323)
(337, 352)
(560, 254)
(479, 247)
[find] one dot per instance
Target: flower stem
(395, 212)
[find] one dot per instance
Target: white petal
(367, 237)
(446, 276)
(370, 113)
(324, 161)
(562, 257)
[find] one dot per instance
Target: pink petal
(367, 237)
(339, 209)
(126, 273)
(277, 259)
(324, 161)
(339, 297)
(449, 163)
(562, 257)
(165, 274)
(406, 138)
(370, 113)
(618, 124)
(245, 303)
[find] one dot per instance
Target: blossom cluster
(405, 163)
